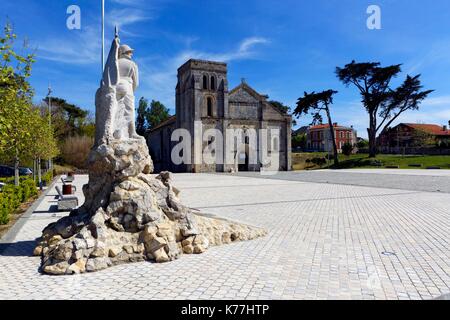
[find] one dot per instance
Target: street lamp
(49, 118)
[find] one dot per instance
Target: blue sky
(282, 48)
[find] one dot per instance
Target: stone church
(202, 97)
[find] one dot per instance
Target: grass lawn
(300, 161)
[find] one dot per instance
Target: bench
(65, 202)
(67, 179)
(65, 182)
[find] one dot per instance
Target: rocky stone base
(130, 216)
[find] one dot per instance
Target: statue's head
(125, 51)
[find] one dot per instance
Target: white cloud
(124, 17)
(438, 101)
(437, 54)
(81, 47)
(243, 52)
(84, 46)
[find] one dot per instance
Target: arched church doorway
(243, 162)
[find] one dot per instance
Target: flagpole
(103, 35)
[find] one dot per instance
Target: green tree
(15, 98)
(67, 118)
(86, 125)
(41, 143)
(362, 144)
(316, 103)
(347, 149)
(280, 106)
(142, 110)
(283, 109)
(383, 103)
(299, 140)
(157, 114)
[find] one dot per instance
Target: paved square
(332, 235)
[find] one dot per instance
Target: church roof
(244, 86)
(253, 93)
(169, 120)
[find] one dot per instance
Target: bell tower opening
(209, 107)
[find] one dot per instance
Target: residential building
(414, 135)
(319, 137)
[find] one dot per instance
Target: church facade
(203, 102)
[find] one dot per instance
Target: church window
(209, 107)
(205, 82)
(213, 83)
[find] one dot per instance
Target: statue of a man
(128, 82)
(115, 98)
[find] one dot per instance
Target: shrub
(47, 178)
(75, 150)
(347, 149)
(319, 161)
(11, 197)
(29, 189)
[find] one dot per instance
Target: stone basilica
(202, 97)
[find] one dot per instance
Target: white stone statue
(114, 101)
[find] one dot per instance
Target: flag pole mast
(103, 35)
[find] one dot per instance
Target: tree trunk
(333, 138)
(34, 169)
(39, 172)
(372, 132)
(16, 169)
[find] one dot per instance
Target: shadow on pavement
(52, 209)
(17, 249)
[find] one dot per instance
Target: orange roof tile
(429, 128)
(324, 126)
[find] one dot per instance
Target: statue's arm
(135, 77)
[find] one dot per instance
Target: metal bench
(68, 179)
(65, 182)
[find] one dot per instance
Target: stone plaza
(365, 234)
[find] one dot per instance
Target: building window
(209, 107)
(205, 82)
(213, 83)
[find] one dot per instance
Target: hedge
(11, 197)
(46, 179)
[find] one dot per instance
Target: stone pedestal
(130, 215)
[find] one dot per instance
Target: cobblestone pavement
(326, 241)
(418, 180)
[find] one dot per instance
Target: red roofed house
(414, 135)
(319, 137)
